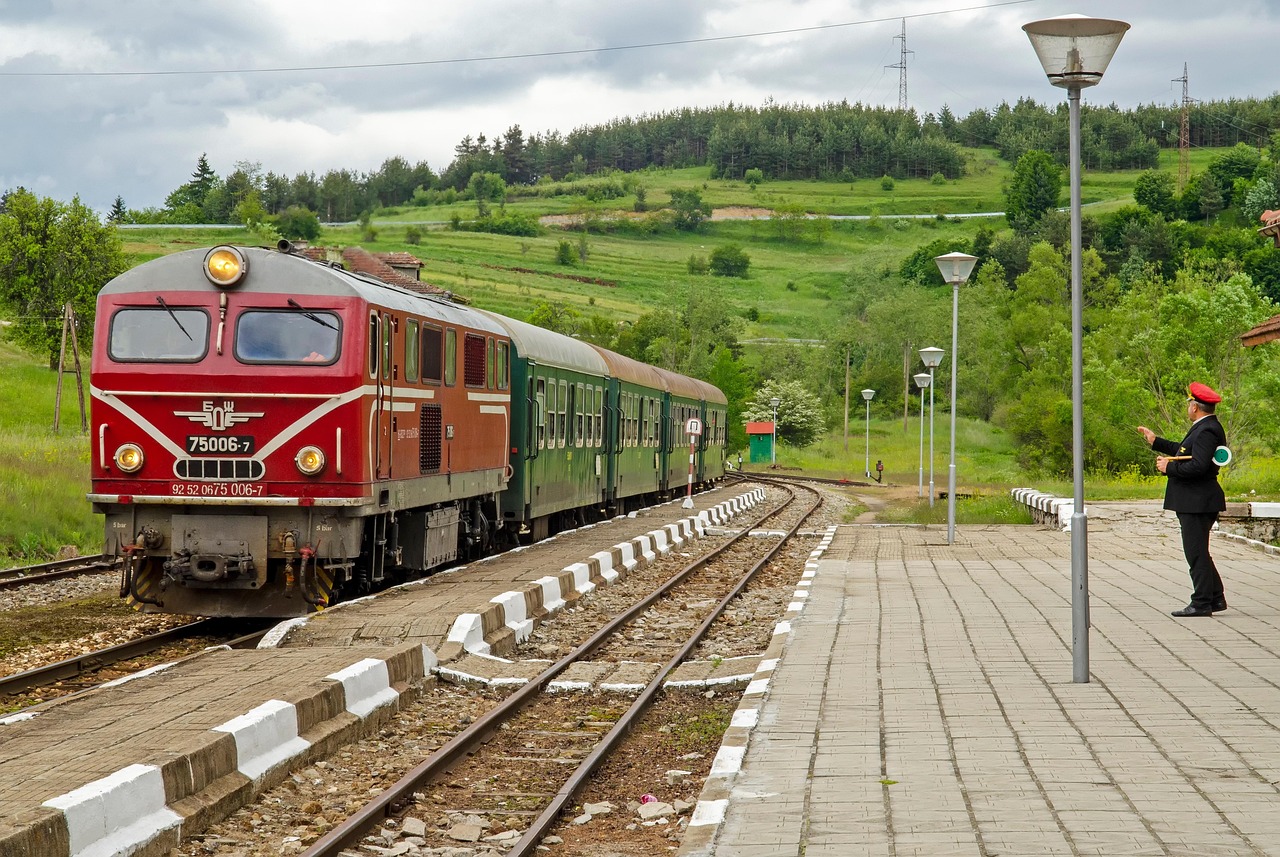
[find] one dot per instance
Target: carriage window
(541, 415)
(287, 336)
(489, 366)
(579, 429)
(144, 334)
(432, 354)
(599, 417)
(504, 371)
(450, 357)
(411, 352)
(562, 422)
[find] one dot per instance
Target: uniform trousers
(1206, 584)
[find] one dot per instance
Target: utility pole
(1184, 133)
(901, 65)
(906, 383)
(846, 398)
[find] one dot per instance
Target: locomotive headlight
(225, 266)
(129, 458)
(310, 460)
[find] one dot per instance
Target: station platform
(919, 700)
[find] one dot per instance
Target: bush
(753, 177)
(730, 260)
(413, 235)
(886, 183)
(697, 265)
(937, 179)
(298, 222)
(566, 253)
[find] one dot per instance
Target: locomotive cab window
(161, 334)
(374, 339)
(450, 357)
(287, 336)
(504, 370)
(411, 351)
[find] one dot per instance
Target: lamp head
(1074, 50)
(931, 356)
(774, 402)
(868, 394)
(922, 380)
(956, 267)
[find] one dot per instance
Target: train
(272, 433)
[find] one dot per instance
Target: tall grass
(43, 476)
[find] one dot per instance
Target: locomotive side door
(386, 398)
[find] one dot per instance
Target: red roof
(1266, 332)
(759, 428)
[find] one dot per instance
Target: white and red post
(694, 429)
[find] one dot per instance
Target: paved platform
(921, 702)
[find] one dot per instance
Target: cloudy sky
(102, 98)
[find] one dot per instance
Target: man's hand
(1162, 462)
(1148, 434)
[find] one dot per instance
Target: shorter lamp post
(868, 395)
(932, 357)
(773, 446)
(955, 269)
(922, 380)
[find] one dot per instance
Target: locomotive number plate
(220, 444)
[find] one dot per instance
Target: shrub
(413, 235)
(937, 179)
(886, 183)
(753, 177)
(697, 265)
(730, 260)
(566, 253)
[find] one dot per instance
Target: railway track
(546, 792)
(11, 578)
(76, 668)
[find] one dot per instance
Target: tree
(1033, 190)
(753, 177)
(689, 208)
(1154, 191)
(299, 222)
(486, 188)
(53, 253)
(118, 211)
(1211, 201)
(799, 411)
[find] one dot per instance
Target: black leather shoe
(1192, 610)
(1219, 605)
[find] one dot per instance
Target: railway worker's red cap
(1203, 393)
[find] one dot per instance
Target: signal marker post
(694, 430)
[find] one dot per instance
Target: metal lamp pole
(773, 451)
(868, 395)
(932, 357)
(922, 380)
(1075, 52)
(955, 268)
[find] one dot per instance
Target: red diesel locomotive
(272, 433)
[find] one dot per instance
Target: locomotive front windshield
(161, 334)
(287, 336)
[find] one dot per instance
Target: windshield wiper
(309, 314)
(173, 316)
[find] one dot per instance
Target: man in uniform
(1194, 494)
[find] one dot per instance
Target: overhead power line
(506, 57)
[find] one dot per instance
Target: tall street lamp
(955, 268)
(932, 357)
(922, 380)
(773, 446)
(868, 395)
(1075, 52)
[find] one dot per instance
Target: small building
(760, 442)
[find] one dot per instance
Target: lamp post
(868, 395)
(922, 381)
(773, 446)
(932, 357)
(955, 268)
(1075, 52)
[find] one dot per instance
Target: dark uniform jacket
(1193, 484)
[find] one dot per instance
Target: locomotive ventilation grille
(429, 439)
(219, 469)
